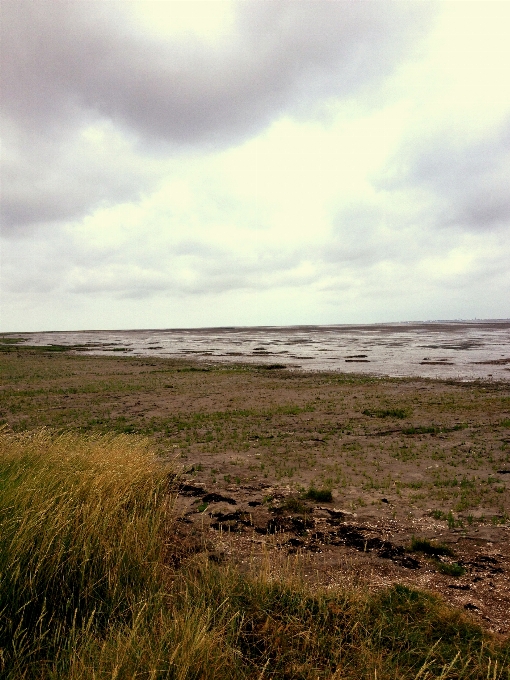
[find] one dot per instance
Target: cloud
(296, 162)
(48, 181)
(465, 182)
(61, 58)
(69, 67)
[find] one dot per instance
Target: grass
(388, 413)
(87, 591)
(82, 521)
(429, 547)
(436, 550)
(451, 569)
(319, 495)
(305, 428)
(294, 504)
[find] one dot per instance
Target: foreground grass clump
(85, 590)
(84, 522)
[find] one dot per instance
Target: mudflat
(351, 476)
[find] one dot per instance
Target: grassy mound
(85, 590)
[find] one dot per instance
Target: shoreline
(458, 350)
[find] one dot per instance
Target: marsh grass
(319, 495)
(451, 569)
(306, 429)
(86, 591)
(430, 547)
(81, 543)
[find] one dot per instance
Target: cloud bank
(296, 162)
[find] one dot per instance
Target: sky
(224, 162)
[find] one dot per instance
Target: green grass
(298, 423)
(87, 591)
(451, 569)
(319, 495)
(436, 550)
(429, 547)
(421, 429)
(7, 345)
(293, 504)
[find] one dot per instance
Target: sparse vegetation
(388, 413)
(450, 568)
(294, 504)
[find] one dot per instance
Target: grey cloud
(61, 57)
(142, 269)
(68, 64)
(354, 237)
(45, 182)
(467, 183)
(367, 233)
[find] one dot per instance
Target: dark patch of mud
(280, 523)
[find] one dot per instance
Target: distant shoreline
(453, 350)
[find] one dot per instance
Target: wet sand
(446, 350)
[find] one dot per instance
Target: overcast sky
(208, 163)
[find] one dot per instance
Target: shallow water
(458, 350)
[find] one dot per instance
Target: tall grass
(86, 593)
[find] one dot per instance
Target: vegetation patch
(451, 568)
(249, 434)
(271, 367)
(319, 495)
(294, 504)
(422, 429)
(88, 591)
(427, 547)
(388, 413)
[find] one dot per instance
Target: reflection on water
(460, 350)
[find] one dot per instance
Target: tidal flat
(388, 480)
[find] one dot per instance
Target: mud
(462, 350)
(329, 546)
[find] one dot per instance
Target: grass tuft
(429, 548)
(450, 569)
(319, 495)
(293, 504)
(400, 413)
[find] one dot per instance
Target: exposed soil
(330, 545)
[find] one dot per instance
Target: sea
(459, 350)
